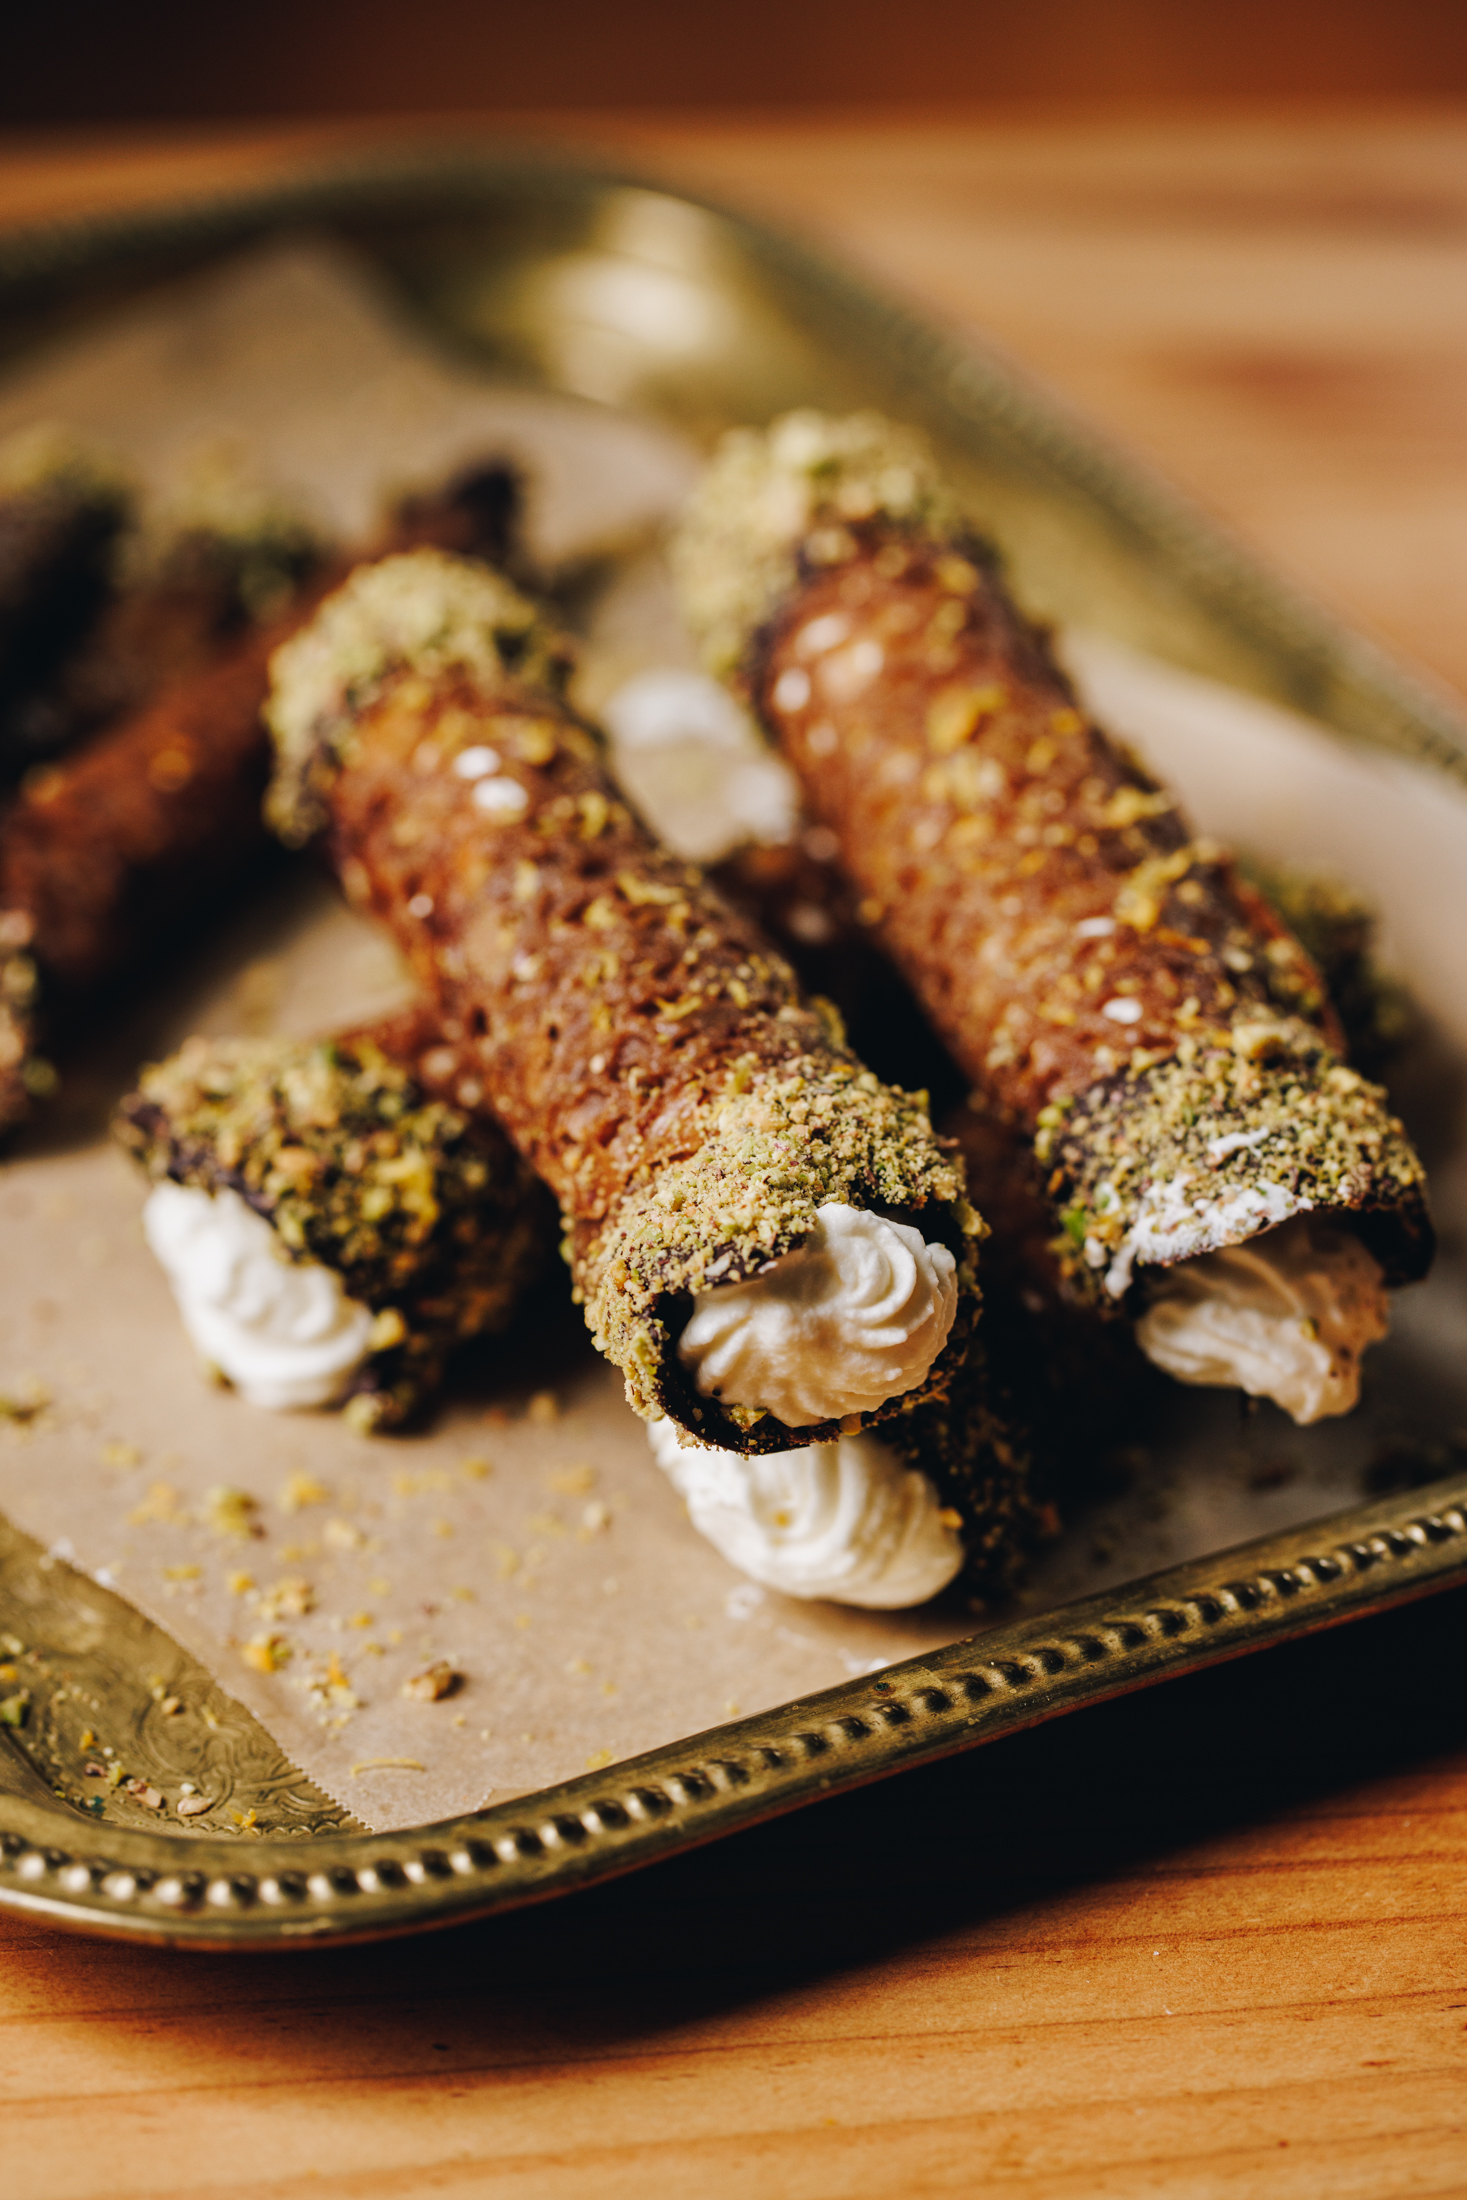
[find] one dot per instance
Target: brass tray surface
(708, 318)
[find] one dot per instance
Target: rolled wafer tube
(1075, 1375)
(772, 1246)
(331, 1229)
(61, 509)
(107, 853)
(1106, 979)
(193, 576)
(883, 1519)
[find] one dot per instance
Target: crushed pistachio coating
(50, 456)
(226, 525)
(1336, 928)
(428, 1216)
(23, 1076)
(757, 1164)
(640, 1042)
(973, 1442)
(1103, 977)
(779, 500)
(1211, 1147)
(422, 610)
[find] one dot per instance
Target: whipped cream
(847, 1520)
(854, 1316)
(283, 1331)
(1285, 1316)
(697, 767)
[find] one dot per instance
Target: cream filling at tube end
(282, 1331)
(845, 1521)
(854, 1316)
(1285, 1316)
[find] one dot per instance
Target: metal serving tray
(605, 287)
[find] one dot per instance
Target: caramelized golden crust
(1107, 980)
(976, 803)
(109, 852)
(647, 1051)
(183, 600)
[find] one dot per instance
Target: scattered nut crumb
(267, 1653)
(574, 1481)
(543, 1408)
(300, 1490)
(24, 1400)
(161, 1503)
(440, 1679)
(231, 1512)
(289, 1598)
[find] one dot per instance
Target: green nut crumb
(790, 494)
(428, 1216)
(763, 1159)
(421, 611)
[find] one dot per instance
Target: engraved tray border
(192, 1892)
(195, 1891)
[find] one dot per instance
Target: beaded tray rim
(196, 1891)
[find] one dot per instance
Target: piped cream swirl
(283, 1331)
(1285, 1316)
(847, 1521)
(854, 1316)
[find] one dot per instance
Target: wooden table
(1201, 1943)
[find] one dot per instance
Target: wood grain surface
(1202, 1943)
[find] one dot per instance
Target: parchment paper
(526, 1539)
